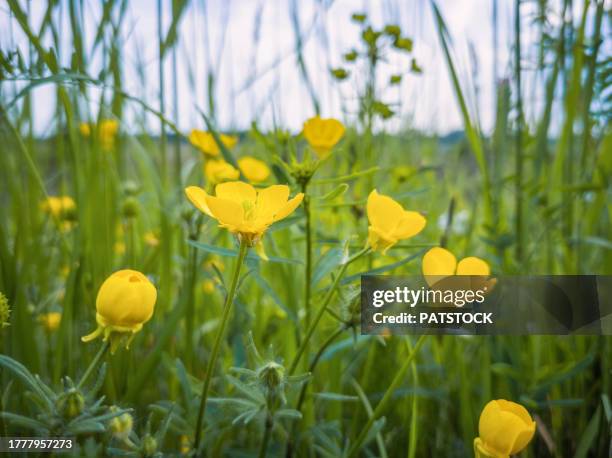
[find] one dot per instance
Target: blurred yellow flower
(59, 206)
(505, 428)
(323, 134)
(50, 320)
(151, 239)
(119, 248)
(107, 132)
(389, 222)
(125, 302)
(253, 169)
(244, 210)
(439, 263)
(208, 286)
(218, 171)
(205, 142)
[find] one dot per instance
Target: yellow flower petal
(410, 225)
(384, 213)
(437, 264)
(236, 191)
(228, 212)
(289, 207)
(197, 196)
(505, 427)
(322, 134)
(271, 200)
(253, 169)
(473, 266)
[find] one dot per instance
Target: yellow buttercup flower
(125, 302)
(205, 142)
(50, 320)
(505, 428)
(59, 206)
(253, 169)
(121, 426)
(218, 171)
(107, 131)
(439, 263)
(323, 134)
(244, 210)
(389, 222)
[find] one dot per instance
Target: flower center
(249, 210)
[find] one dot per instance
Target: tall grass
(530, 197)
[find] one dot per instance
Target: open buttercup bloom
(389, 222)
(107, 131)
(125, 302)
(218, 171)
(505, 428)
(205, 142)
(244, 210)
(439, 263)
(253, 169)
(323, 134)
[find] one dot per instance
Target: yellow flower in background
(107, 131)
(205, 142)
(244, 210)
(218, 171)
(61, 207)
(50, 320)
(151, 238)
(125, 302)
(389, 222)
(505, 428)
(323, 134)
(253, 169)
(439, 263)
(208, 286)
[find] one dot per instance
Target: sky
(259, 78)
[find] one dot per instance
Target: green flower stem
(308, 266)
(266, 436)
(321, 311)
(227, 307)
(399, 376)
(101, 352)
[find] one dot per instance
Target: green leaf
(589, 436)
(327, 264)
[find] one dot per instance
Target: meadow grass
(528, 199)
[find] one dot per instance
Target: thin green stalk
(227, 307)
(519, 135)
(397, 380)
(321, 312)
(94, 363)
(308, 266)
(266, 436)
(414, 415)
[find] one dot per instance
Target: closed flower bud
(125, 302)
(393, 30)
(339, 73)
(505, 428)
(149, 445)
(121, 425)
(271, 375)
(70, 404)
(130, 207)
